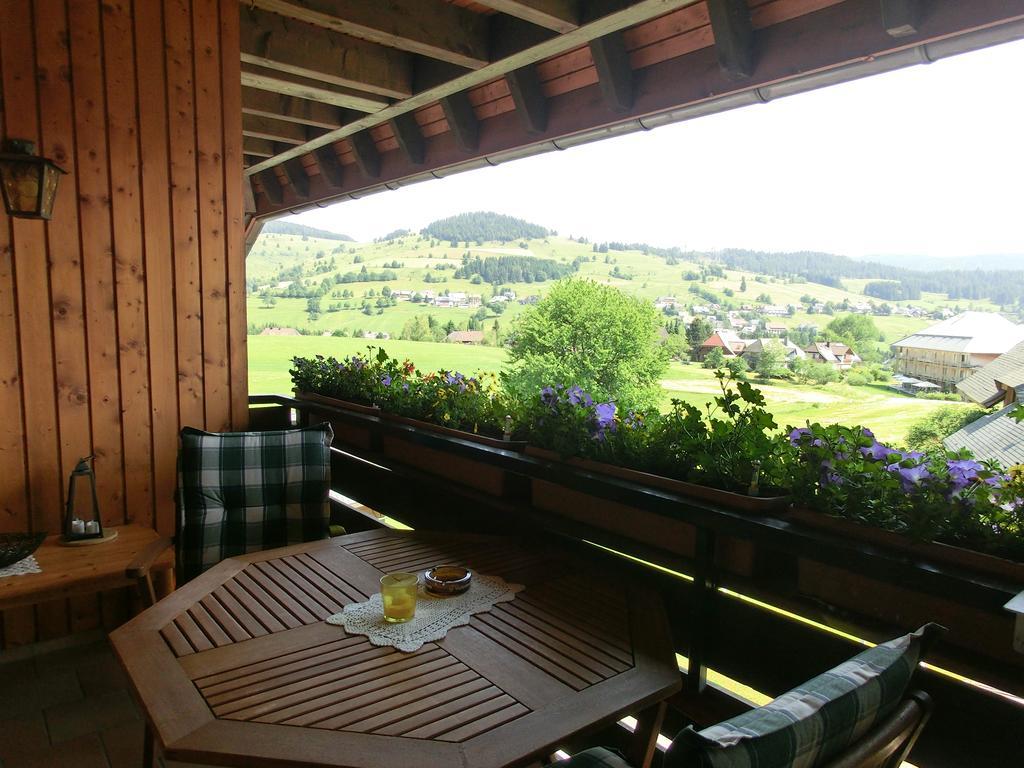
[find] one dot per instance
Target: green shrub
(929, 432)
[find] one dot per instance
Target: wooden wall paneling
(156, 207)
(185, 224)
(31, 280)
(97, 250)
(210, 191)
(231, 98)
(56, 112)
(129, 270)
(13, 498)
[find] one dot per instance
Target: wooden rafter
(410, 138)
(297, 177)
(365, 152)
(528, 95)
(431, 28)
(274, 130)
(258, 147)
(271, 186)
(303, 88)
(901, 17)
(270, 40)
(734, 36)
(559, 15)
(615, 75)
(462, 121)
(330, 166)
(291, 109)
(638, 12)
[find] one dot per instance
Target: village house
(775, 329)
(753, 350)
(666, 302)
(465, 337)
(948, 352)
(834, 353)
(727, 341)
(774, 310)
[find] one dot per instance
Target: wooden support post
(704, 586)
(614, 72)
(297, 177)
(734, 37)
(409, 137)
(330, 165)
(901, 17)
(528, 95)
(365, 151)
(645, 738)
(462, 121)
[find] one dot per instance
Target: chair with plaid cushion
(241, 492)
(856, 715)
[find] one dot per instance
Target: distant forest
(483, 226)
(892, 283)
(290, 228)
(499, 270)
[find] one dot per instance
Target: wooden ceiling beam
(431, 28)
(271, 186)
(297, 177)
(410, 138)
(274, 130)
(636, 13)
(258, 147)
(734, 37)
(288, 84)
(559, 15)
(330, 165)
(614, 73)
(462, 121)
(901, 17)
(528, 95)
(291, 109)
(364, 149)
(287, 45)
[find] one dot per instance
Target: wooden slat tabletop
(238, 667)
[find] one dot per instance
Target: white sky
(927, 160)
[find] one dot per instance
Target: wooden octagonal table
(238, 666)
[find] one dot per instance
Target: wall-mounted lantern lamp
(28, 182)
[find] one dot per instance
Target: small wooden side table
(71, 571)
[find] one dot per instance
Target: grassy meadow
(884, 411)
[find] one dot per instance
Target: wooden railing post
(705, 588)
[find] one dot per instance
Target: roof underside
(343, 98)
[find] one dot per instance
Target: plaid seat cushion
(595, 757)
(813, 722)
(242, 492)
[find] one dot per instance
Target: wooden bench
(86, 570)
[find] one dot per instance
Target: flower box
(677, 536)
(349, 433)
(479, 475)
(933, 551)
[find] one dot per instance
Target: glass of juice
(398, 594)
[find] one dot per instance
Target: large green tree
(697, 333)
(593, 336)
(859, 331)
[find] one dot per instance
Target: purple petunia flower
(912, 477)
(963, 472)
(576, 396)
(385, 380)
(797, 434)
(549, 397)
(877, 451)
(605, 415)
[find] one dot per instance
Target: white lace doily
(20, 568)
(434, 615)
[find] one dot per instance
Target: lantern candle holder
(82, 517)
(28, 183)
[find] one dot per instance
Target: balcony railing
(737, 586)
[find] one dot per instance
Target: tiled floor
(68, 707)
